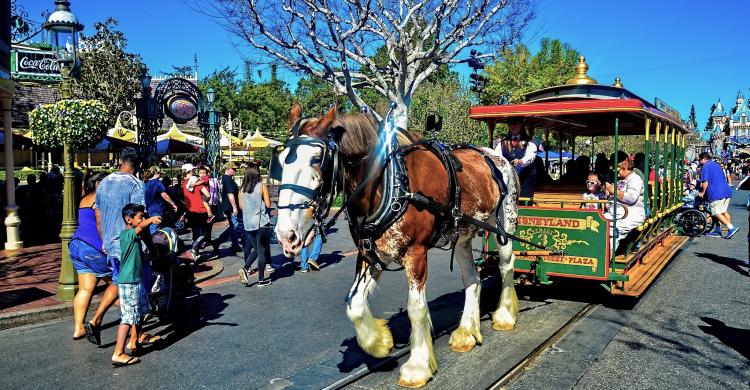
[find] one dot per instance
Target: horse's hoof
(383, 344)
(463, 340)
(502, 326)
(413, 377)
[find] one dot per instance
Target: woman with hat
(629, 192)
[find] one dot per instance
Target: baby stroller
(694, 219)
(173, 294)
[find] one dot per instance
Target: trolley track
(507, 377)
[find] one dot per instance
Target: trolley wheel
(692, 223)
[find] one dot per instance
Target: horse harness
(396, 194)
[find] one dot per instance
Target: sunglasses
(592, 182)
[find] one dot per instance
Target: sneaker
(269, 268)
(304, 270)
(732, 232)
(243, 276)
(264, 282)
(713, 234)
(313, 265)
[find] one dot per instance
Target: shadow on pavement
(735, 338)
(734, 264)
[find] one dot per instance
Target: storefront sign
(666, 108)
(30, 64)
(181, 108)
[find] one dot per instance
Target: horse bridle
(321, 197)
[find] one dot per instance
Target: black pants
(200, 228)
(258, 245)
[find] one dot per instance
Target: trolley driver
(520, 151)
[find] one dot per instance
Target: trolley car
(554, 216)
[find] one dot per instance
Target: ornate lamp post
(64, 28)
(209, 124)
(149, 119)
(233, 127)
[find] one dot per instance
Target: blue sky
(684, 52)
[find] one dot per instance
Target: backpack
(213, 191)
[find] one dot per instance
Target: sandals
(149, 340)
(92, 333)
(129, 362)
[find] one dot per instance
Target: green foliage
(451, 101)
(315, 96)
(22, 174)
(263, 155)
(78, 123)
(179, 71)
(518, 72)
(692, 120)
(710, 122)
(109, 73)
(224, 82)
(265, 106)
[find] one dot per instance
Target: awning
(121, 133)
(175, 134)
(258, 141)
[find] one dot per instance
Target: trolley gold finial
(617, 83)
(581, 77)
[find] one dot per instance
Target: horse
(407, 240)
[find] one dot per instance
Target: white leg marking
(420, 367)
(468, 333)
(373, 335)
(504, 318)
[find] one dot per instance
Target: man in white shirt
(521, 152)
(629, 192)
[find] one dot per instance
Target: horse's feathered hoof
(500, 326)
(413, 376)
(464, 340)
(383, 341)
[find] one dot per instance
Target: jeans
(257, 245)
(200, 228)
(311, 252)
(232, 231)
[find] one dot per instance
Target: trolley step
(642, 275)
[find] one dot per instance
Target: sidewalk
(29, 280)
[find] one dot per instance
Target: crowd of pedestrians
(120, 217)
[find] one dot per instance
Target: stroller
(173, 294)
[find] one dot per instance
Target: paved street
(690, 329)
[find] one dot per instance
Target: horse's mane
(357, 134)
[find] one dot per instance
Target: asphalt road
(690, 330)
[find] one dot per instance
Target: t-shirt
(228, 186)
(193, 200)
(113, 193)
(131, 264)
(718, 188)
(154, 202)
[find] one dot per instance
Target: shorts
(130, 303)
(88, 260)
(719, 206)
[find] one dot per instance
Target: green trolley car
(555, 218)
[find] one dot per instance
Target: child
(129, 280)
(688, 197)
(199, 178)
(595, 192)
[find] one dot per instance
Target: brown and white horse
(406, 241)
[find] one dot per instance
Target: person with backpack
(229, 206)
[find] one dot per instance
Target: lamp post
(64, 27)
(149, 119)
(209, 125)
(232, 127)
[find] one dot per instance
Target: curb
(43, 314)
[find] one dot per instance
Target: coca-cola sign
(35, 63)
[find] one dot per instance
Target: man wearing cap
(518, 149)
(716, 191)
(229, 207)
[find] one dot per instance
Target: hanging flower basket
(78, 123)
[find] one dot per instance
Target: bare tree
(336, 39)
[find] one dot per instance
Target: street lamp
(64, 27)
(149, 119)
(232, 127)
(209, 124)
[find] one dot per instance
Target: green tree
(518, 72)
(710, 122)
(109, 73)
(316, 96)
(185, 71)
(265, 106)
(692, 120)
(224, 82)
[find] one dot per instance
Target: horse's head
(301, 167)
